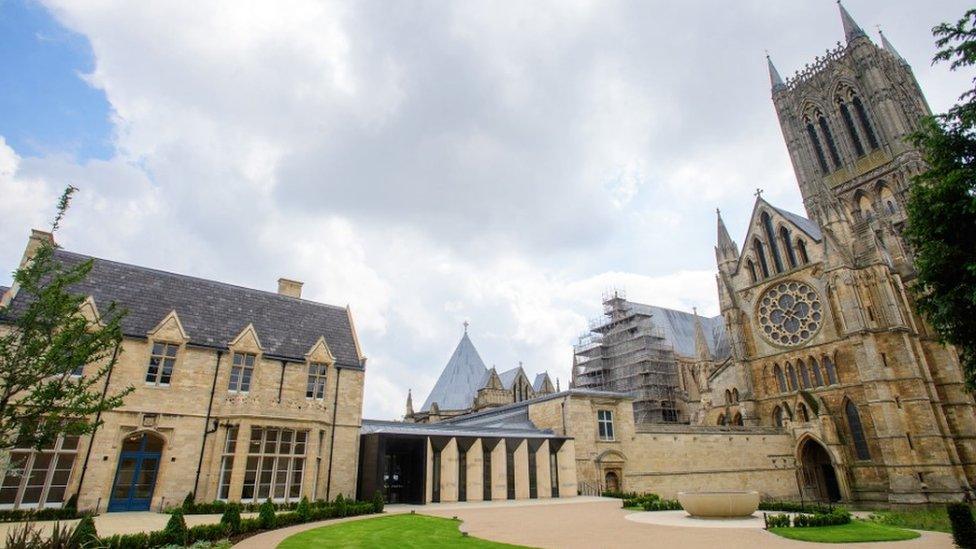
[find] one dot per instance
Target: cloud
(429, 162)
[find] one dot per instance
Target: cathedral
(825, 341)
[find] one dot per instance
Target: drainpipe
(206, 423)
(281, 381)
(98, 417)
(335, 406)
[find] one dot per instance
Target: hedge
(33, 515)
(662, 505)
(214, 532)
(963, 525)
(835, 517)
(794, 507)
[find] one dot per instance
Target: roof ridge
(199, 278)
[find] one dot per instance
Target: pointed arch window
(857, 431)
(767, 223)
(817, 148)
(780, 380)
(760, 250)
(735, 395)
(801, 411)
(829, 138)
(845, 113)
(721, 419)
(888, 200)
(784, 236)
(791, 373)
(801, 249)
(831, 371)
(778, 416)
(728, 396)
(752, 270)
(788, 414)
(804, 374)
(862, 116)
(816, 372)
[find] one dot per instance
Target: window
(804, 375)
(728, 396)
(862, 115)
(735, 395)
(780, 380)
(240, 372)
(831, 371)
(801, 248)
(275, 464)
(721, 420)
(778, 418)
(784, 235)
(845, 113)
(39, 478)
(865, 207)
(801, 409)
(888, 200)
(817, 148)
(668, 413)
(227, 463)
(829, 138)
(771, 238)
(161, 363)
(816, 373)
(78, 371)
(317, 375)
(757, 246)
(604, 419)
(752, 271)
(791, 373)
(857, 431)
(737, 419)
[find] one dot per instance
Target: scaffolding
(625, 352)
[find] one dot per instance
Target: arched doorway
(612, 481)
(817, 472)
(135, 477)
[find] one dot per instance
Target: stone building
(239, 395)
(661, 356)
(466, 385)
(825, 340)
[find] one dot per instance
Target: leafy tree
(942, 205)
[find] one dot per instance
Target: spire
(775, 80)
(409, 403)
(851, 29)
(889, 48)
(724, 240)
(701, 344)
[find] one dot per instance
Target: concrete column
(543, 479)
(522, 470)
(499, 487)
(476, 472)
(429, 480)
(449, 471)
(567, 469)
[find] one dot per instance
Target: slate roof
(540, 380)
(805, 225)
(517, 413)
(508, 376)
(458, 384)
(212, 313)
(678, 328)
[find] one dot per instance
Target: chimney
(290, 288)
(37, 238)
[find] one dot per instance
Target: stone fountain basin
(719, 504)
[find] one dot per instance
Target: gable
(794, 223)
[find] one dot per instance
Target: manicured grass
(935, 519)
(401, 531)
(858, 530)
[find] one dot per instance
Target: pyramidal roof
(458, 385)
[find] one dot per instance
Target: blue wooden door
(135, 477)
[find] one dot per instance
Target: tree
(942, 206)
(44, 341)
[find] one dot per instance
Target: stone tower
(820, 321)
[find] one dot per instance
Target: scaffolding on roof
(624, 351)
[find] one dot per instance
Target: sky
(506, 163)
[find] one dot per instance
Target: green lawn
(401, 531)
(856, 531)
(935, 519)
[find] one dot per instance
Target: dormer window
(161, 363)
(241, 370)
(317, 375)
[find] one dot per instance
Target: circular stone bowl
(719, 504)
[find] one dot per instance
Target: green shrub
(661, 505)
(31, 515)
(249, 525)
(72, 502)
(304, 509)
(232, 518)
(175, 531)
(340, 506)
(619, 495)
(777, 521)
(85, 534)
(963, 526)
(187, 502)
(378, 502)
(794, 507)
(638, 500)
(266, 515)
(288, 518)
(207, 532)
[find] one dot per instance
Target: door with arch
(818, 473)
(612, 481)
(135, 476)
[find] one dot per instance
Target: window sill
(157, 385)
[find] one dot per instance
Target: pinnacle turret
(775, 80)
(851, 28)
(889, 48)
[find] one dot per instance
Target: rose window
(790, 313)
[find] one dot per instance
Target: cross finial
(694, 310)
(465, 324)
(758, 193)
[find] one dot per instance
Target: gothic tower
(817, 310)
